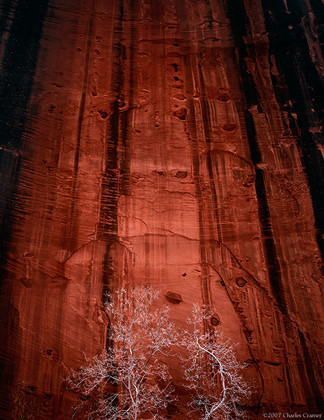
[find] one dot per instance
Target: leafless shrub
(130, 379)
(212, 372)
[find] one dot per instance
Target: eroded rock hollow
(170, 142)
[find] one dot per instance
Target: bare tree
(130, 379)
(212, 372)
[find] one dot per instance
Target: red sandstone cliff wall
(162, 142)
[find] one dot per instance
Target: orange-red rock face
(173, 142)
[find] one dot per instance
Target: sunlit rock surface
(174, 142)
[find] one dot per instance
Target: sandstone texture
(171, 142)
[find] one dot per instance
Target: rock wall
(174, 142)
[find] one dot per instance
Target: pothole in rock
(240, 281)
(181, 113)
(103, 114)
(214, 320)
(174, 298)
(223, 98)
(229, 127)
(26, 282)
(181, 174)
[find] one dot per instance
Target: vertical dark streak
(116, 179)
(126, 117)
(265, 220)
(208, 140)
(237, 16)
(107, 228)
(72, 233)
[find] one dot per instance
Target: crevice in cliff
(116, 180)
(126, 118)
(77, 250)
(116, 174)
(161, 235)
(109, 194)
